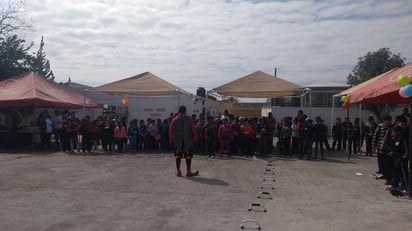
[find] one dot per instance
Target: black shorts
(184, 154)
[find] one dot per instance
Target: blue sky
(210, 42)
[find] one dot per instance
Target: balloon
(341, 102)
(401, 93)
(106, 106)
(345, 105)
(407, 90)
(403, 80)
(345, 98)
(125, 100)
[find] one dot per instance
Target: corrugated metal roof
(327, 84)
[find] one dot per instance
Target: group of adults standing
(297, 136)
(387, 139)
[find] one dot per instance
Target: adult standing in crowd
(378, 143)
(369, 131)
(182, 133)
(397, 151)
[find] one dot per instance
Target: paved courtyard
(59, 191)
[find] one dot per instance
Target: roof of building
(327, 84)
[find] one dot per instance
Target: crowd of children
(86, 135)
(229, 135)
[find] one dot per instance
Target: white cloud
(208, 43)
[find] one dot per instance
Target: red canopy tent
(383, 89)
(30, 89)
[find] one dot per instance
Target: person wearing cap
(182, 134)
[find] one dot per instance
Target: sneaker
(404, 192)
(379, 176)
(178, 173)
(388, 188)
(190, 173)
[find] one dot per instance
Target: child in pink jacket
(120, 135)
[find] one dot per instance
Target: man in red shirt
(182, 133)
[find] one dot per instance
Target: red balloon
(345, 105)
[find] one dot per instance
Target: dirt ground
(59, 191)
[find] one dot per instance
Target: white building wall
(160, 107)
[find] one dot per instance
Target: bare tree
(12, 19)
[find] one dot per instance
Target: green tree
(374, 64)
(40, 64)
(14, 57)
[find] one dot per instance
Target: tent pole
(84, 102)
(410, 152)
(206, 105)
(347, 133)
(178, 100)
(301, 100)
(310, 102)
(360, 127)
(33, 130)
(332, 114)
